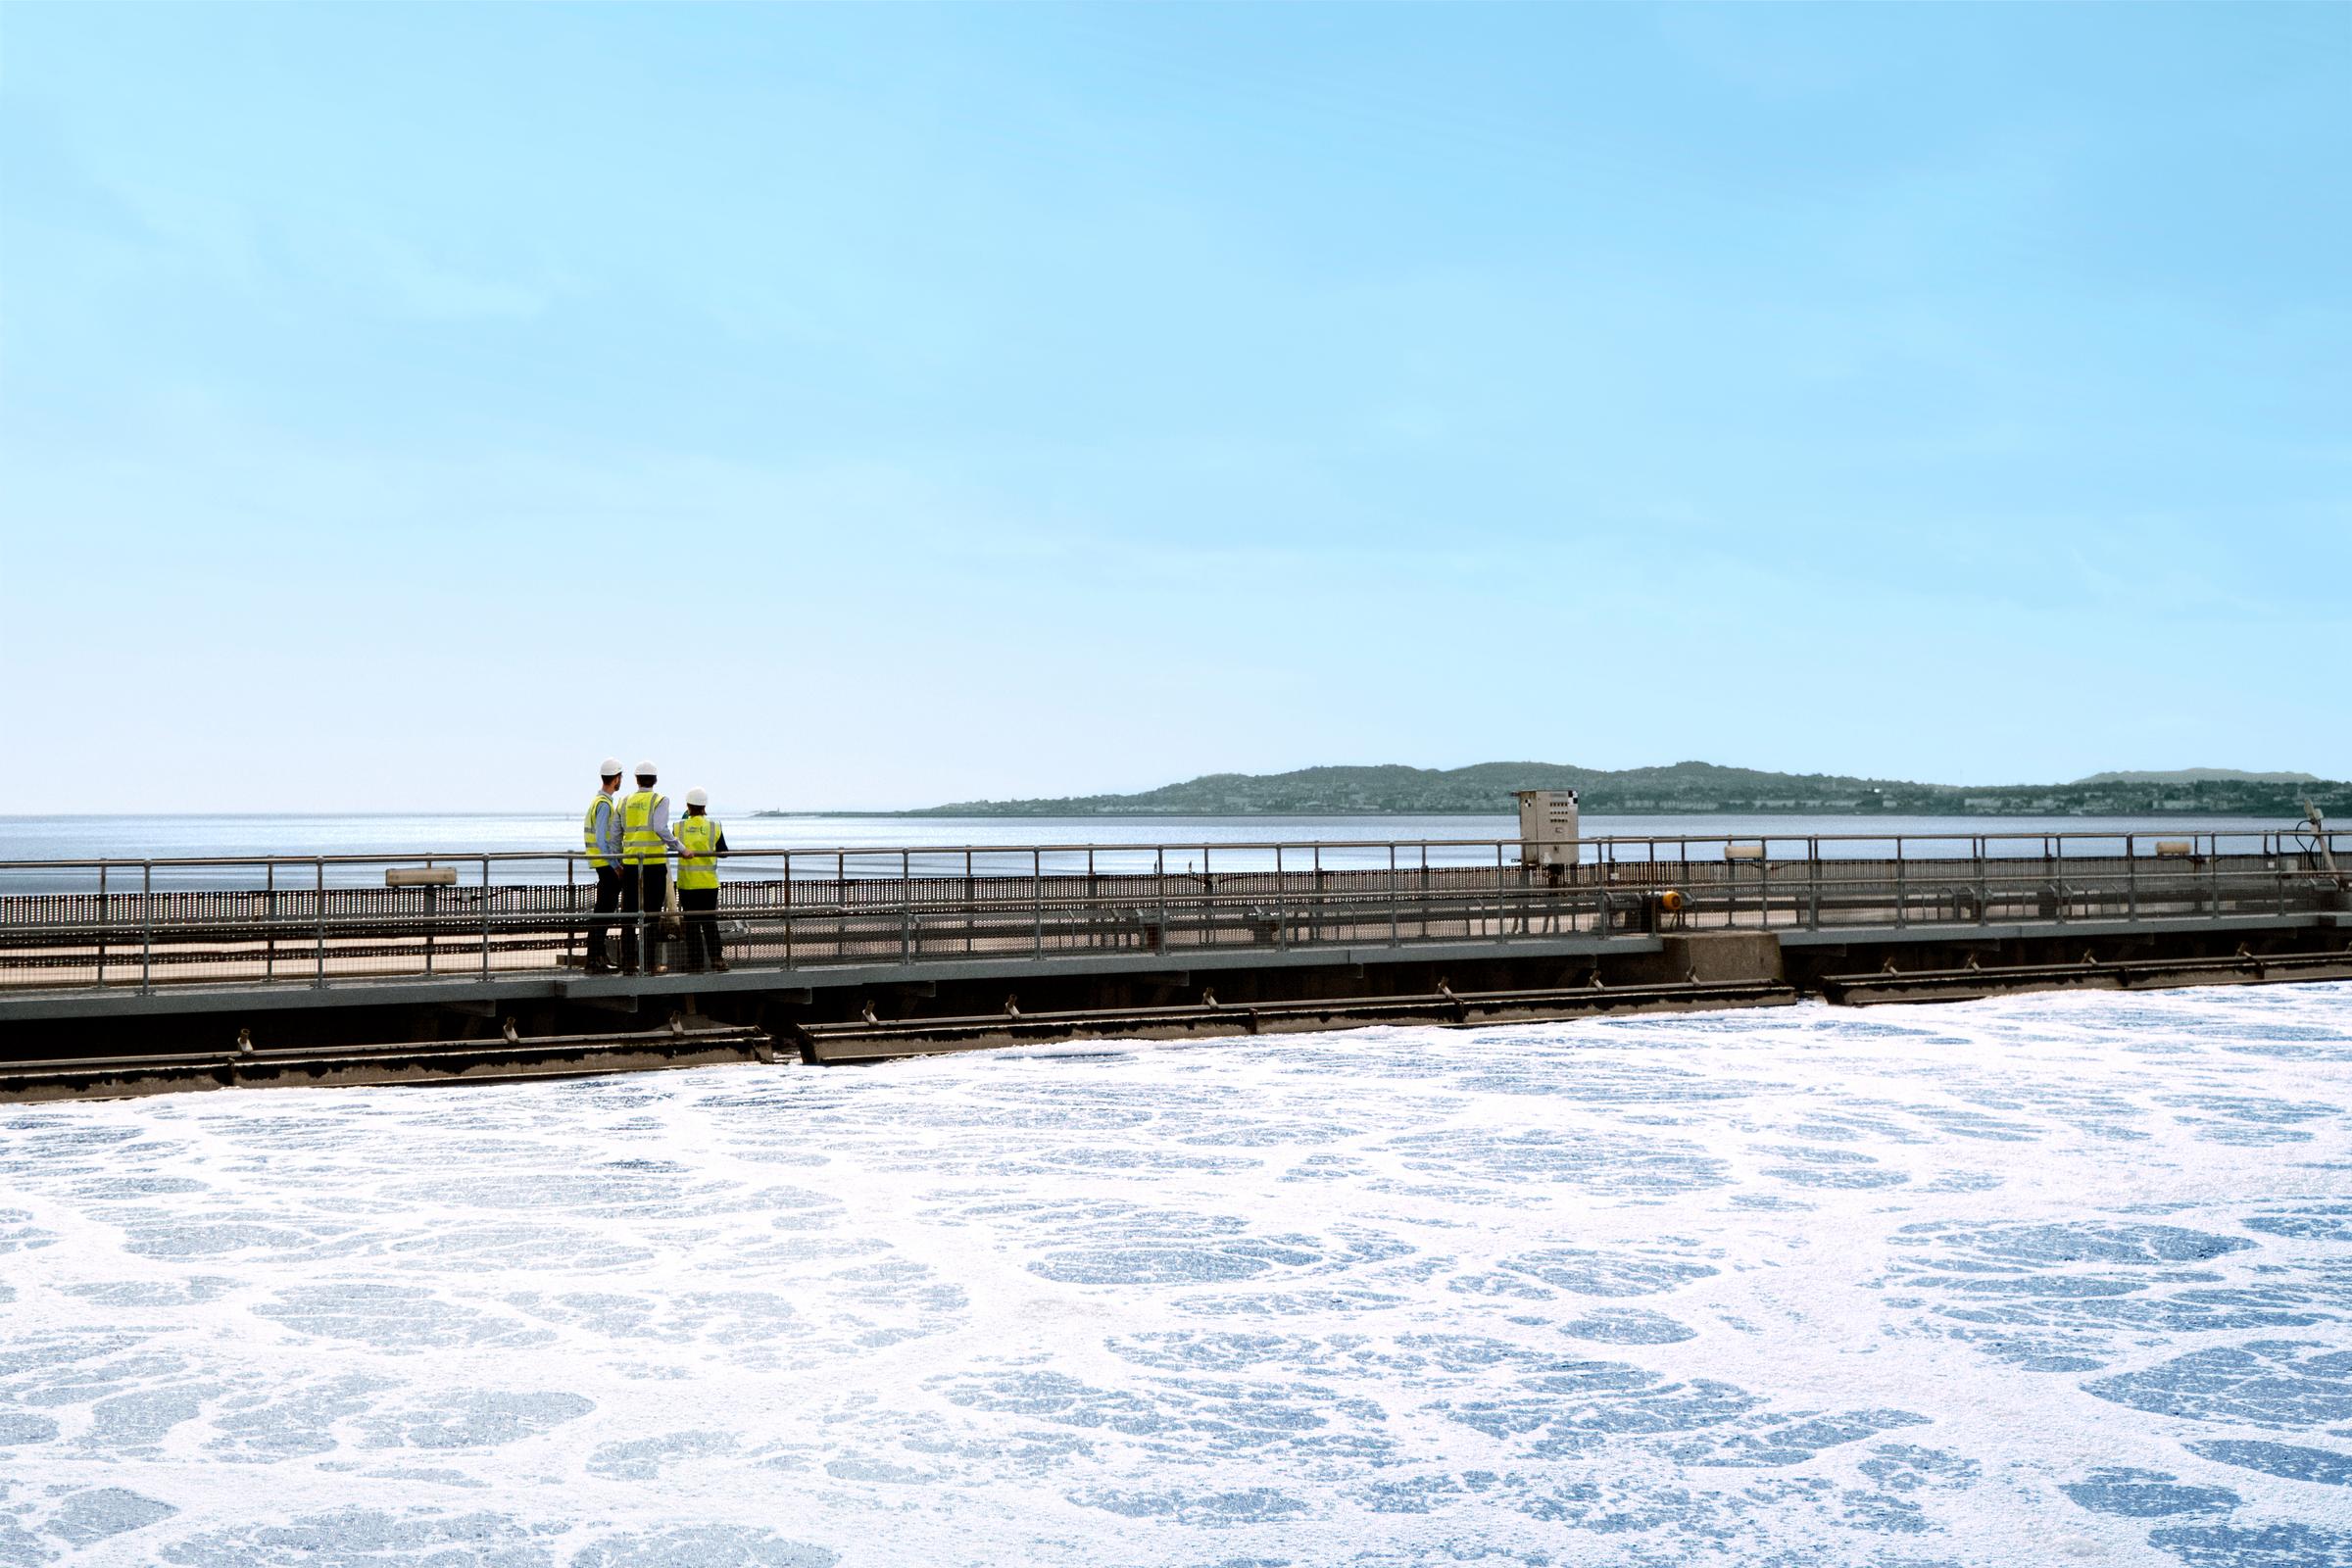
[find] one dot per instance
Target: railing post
(906, 908)
(1281, 901)
(319, 901)
(1903, 892)
(1503, 927)
(105, 919)
(146, 925)
(1395, 934)
(1314, 927)
(2131, 876)
(1037, 903)
(268, 916)
(1813, 881)
(971, 900)
(485, 917)
(1608, 879)
(635, 873)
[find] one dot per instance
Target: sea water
(2033, 1280)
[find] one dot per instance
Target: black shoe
(628, 969)
(599, 967)
(718, 967)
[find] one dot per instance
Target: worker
(646, 844)
(600, 832)
(704, 840)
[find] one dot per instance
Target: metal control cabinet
(1547, 827)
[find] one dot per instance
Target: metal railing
(326, 920)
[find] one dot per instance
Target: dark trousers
(607, 900)
(701, 906)
(644, 888)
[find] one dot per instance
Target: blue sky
(406, 405)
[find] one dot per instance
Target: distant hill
(1485, 788)
(2201, 775)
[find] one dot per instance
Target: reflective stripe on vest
(588, 833)
(700, 836)
(640, 844)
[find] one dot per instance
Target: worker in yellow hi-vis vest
(646, 844)
(599, 835)
(703, 840)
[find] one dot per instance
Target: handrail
(2274, 841)
(305, 931)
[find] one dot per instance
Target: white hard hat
(698, 796)
(647, 767)
(611, 769)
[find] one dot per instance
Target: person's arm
(660, 823)
(608, 842)
(721, 846)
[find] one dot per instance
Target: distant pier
(137, 976)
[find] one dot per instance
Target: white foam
(1851, 1286)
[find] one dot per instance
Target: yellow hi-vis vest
(699, 838)
(588, 833)
(640, 844)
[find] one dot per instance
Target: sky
(406, 407)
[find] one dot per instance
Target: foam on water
(2030, 1280)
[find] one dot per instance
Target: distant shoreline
(1679, 789)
